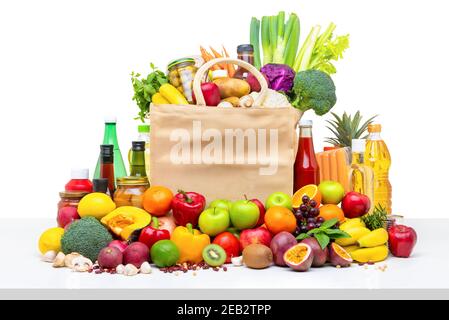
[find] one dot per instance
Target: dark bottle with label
(138, 168)
(107, 166)
(245, 52)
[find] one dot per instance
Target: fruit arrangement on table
(178, 233)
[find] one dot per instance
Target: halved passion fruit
(299, 257)
(339, 257)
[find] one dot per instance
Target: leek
(254, 40)
(265, 36)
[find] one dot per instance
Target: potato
(233, 100)
(230, 87)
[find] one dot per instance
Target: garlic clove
(145, 268)
(237, 261)
(59, 260)
(49, 256)
(130, 270)
(120, 269)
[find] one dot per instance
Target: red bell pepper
(211, 94)
(187, 207)
(402, 240)
(229, 243)
(152, 234)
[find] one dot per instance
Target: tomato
(229, 243)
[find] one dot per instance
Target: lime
(95, 205)
(50, 240)
(164, 253)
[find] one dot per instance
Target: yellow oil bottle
(378, 158)
(361, 176)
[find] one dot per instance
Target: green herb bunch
(145, 88)
(325, 233)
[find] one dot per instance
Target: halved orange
(309, 190)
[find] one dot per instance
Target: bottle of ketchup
(79, 181)
(306, 169)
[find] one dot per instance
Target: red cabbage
(280, 76)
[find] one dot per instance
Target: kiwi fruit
(257, 256)
(214, 255)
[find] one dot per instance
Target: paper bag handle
(250, 68)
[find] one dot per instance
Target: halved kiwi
(214, 255)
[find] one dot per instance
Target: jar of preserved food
(180, 74)
(70, 198)
(130, 191)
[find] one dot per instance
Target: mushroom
(145, 268)
(59, 260)
(49, 256)
(68, 261)
(130, 270)
(225, 104)
(81, 264)
(246, 101)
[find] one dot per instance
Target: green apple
(279, 199)
(244, 214)
(221, 203)
(213, 221)
(332, 192)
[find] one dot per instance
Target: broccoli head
(314, 89)
(87, 237)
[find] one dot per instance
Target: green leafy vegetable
(377, 219)
(145, 88)
(325, 233)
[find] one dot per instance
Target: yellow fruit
(352, 223)
(350, 249)
(375, 238)
(355, 233)
(375, 254)
(50, 240)
(95, 205)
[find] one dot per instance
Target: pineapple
(346, 128)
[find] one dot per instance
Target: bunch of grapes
(307, 216)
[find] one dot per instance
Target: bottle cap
(78, 173)
(100, 185)
(107, 153)
(305, 123)
(110, 119)
(138, 146)
(219, 74)
(245, 48)
(374, 127)
(358, 145)
(143, 128)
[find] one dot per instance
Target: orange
(330, 211)
(310, 190)
(157, 200)
(278, 219)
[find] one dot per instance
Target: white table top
(428, 268)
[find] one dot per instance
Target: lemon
(50, 240)
(95, 205)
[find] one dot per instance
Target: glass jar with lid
(180, 74)
(70, 198)
(130, 191)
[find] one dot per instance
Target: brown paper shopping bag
(224, 152)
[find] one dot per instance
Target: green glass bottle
(110, 137)
(137, 166)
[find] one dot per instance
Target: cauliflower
(273, 99)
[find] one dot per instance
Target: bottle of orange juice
(378, 158)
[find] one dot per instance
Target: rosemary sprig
(377, 219)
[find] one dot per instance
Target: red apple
(67, 215)
(255, 236)
(261, 212)
(355, 205)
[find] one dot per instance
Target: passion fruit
(299, 257)
(339, 257)
(320, 256)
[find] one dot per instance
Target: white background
(66, 64)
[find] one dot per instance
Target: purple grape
(310, 226)
(311, 220)
(304, 229)
(305, 199)
(314, 212)
(297, 231)
(320, 219)
(313, 203)
(317, 224)
(303, 208)
(305, 215)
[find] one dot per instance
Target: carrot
(207, 57)
(229, 67)
(333, 166)
(342, 168)
(218, 55)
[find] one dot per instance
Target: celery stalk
(265, 36)
(254, 40)
(303, 58)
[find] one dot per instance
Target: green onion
(265, 36)
(254, 40)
